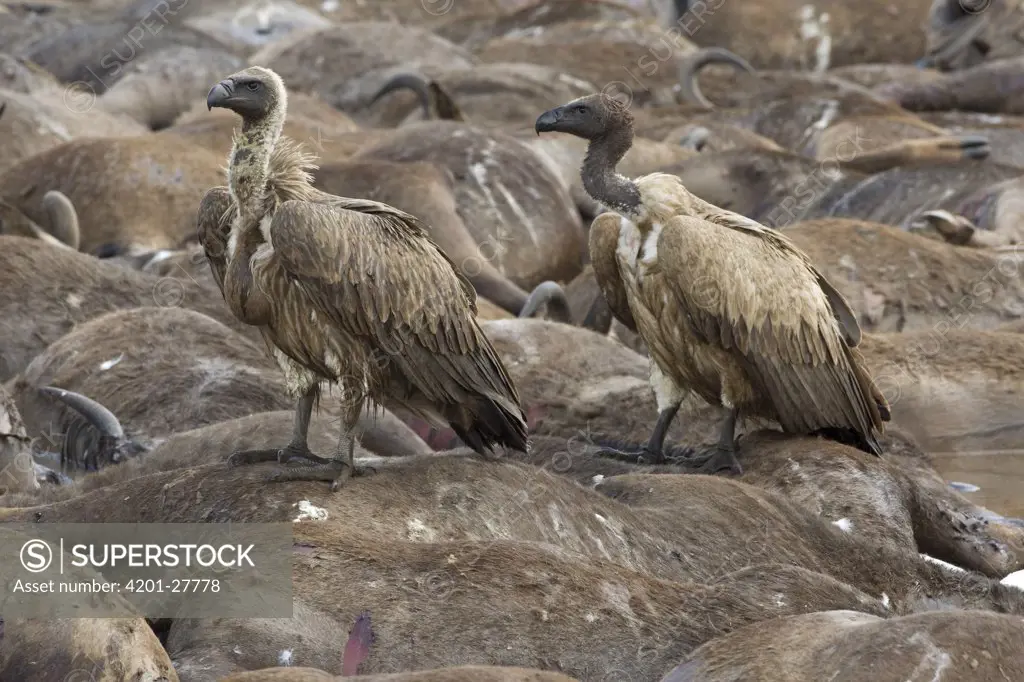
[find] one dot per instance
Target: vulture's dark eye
(253, 86)
(581, 109)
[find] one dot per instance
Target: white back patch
(629, 242)
(649, 252)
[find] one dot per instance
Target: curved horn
(63, 218)
(553, 295)
(692, 65)
(102, 419)
(408, 81)
(944, 52)
(44, 236)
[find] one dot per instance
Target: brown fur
(897, 281)
(33, 123)
(380, 434)
(62, 224)
(896, 196)
(97, 649)
(636, 58)
(469, 673)
(770, 529)
(187, 264)
(47, 290)
(22, 25)
(324, 130)
(600, 392)
(245, 26)
(871, 75)
(953, 389)
(733, 523)
(531, 604)
(958, 646)
(566, 154)
(901, 503)
(98, 43)
(722, 137)
(731, 86)
(991, 87)
(964, 35)
(489, 20)
(768, 35)
(505, 194)
(20, 75)
(795, 123)
(347, 64)
(992, 209)
(774, 188)
(159, 86)
(1017, 327)
(155, 389)
(133, 190)
(426, 191)
(17, 474)
(501, 94)
(1005, 133)
(884, 142)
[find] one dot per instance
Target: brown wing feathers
(214, 226)
(604, 237)
(814, 383)
(383, 281)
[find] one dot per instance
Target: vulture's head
(252, 93)
(590, 117)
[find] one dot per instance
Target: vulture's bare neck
(600, 178)
(249, 167)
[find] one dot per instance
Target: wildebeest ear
(841, 309)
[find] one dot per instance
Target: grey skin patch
(963, 487)
(687, 672)
(242, 155)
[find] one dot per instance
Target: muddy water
(999, 475)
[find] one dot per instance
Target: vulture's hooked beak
(220, 94)
(548, 121)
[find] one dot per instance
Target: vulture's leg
(335, 471)
(654, 451)
(297, 449)
(723, 455)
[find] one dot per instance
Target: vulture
(346, 292)
(729, 309)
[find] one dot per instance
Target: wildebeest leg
(722, 456)
(297, 449)
(654, 451)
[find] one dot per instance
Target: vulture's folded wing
(216, 211)
(750, 293)
(373, 272)
(604, 240)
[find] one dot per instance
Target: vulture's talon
(246, 457)
(641, 455)
(716, 460)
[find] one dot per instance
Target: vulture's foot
(641, 455)
(716, 459)
(286, 455)
(334, 471)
